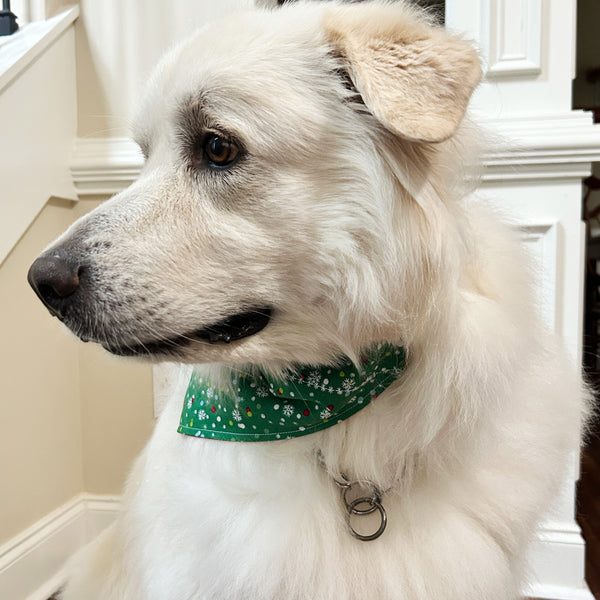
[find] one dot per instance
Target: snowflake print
(202, 415)
(235, 413)
(347, 385)
(210, 393)
(325, 414)
(288, 410)
(314, 378)
(263, 392)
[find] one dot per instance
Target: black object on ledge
(8, 20)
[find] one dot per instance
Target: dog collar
(259, 408)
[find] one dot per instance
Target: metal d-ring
(376, 505)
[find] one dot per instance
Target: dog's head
(277, 214)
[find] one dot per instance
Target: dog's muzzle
(67, 284)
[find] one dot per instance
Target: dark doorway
(586, 95)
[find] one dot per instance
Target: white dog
(301, 227)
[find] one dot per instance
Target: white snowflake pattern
(210, 393)
(397, 371)
(202, 415)
(288, 410)
(235, 413)
(325, 414)
(263, 392)
(313, 379)
(348, 385)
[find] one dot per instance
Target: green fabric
(308, 400)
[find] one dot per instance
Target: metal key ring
(376, 506)
(370, 501)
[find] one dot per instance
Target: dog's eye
(219, 151)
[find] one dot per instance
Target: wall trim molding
(558, 544)
(547, 147)
(548, 592)
(560, 146)
(104, 166)
(32, 564)
(512, 37)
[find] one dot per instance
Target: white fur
(353, 234)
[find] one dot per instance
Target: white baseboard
(32, 563)
(549, 592)
(557, 560)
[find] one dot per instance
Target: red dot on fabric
(303, 377)
(306, 412)
(330, 406)
(213, 409)
(364, 359)
(247, 409)
(193, 398)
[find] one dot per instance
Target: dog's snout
(54, 277)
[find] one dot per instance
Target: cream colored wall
(72, 419)
(41, 463)
(73, 416)
(117, 416)
(53, 7)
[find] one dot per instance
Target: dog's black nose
(54, 277)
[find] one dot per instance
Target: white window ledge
(19, 50)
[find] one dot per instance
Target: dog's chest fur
(266, 523)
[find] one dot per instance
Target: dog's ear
(415, 79)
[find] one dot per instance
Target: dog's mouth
(230, 329)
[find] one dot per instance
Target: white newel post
(529, 52)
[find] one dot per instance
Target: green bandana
(308, 400)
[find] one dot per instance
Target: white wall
(118, 43)
(529, 52)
